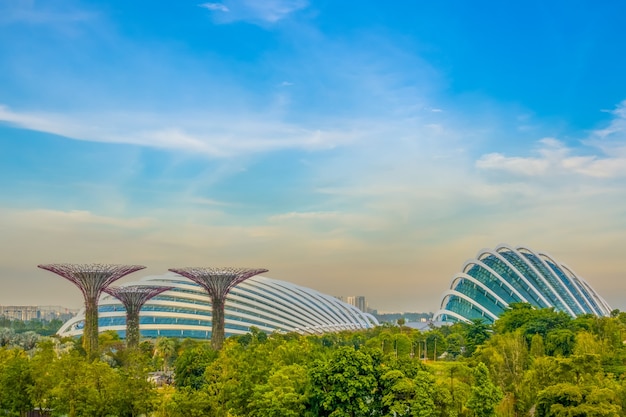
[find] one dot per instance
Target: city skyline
(352, 148)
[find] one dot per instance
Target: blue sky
(352, 147)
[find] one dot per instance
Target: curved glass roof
(506, 275)
(267, 304)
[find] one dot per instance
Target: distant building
(56, 312)
(488, 283)
(25, 313)
(426, 325)
(409, 317)
(357, 301)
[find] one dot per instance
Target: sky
(353, 147)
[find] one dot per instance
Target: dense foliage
(39, 326)
(532, 363)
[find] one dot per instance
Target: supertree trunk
(132, 330)
(217, 323)
(217, 282)
(134, 297)
(90, 329)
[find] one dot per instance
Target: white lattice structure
(496, 277)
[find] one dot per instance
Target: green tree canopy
(485, 395)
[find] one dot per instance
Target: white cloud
(599, 168)
(617, 125)
(215, 7)
(605, 158)
(218, 135)
(612, 139)
(514, 165)
(274, 10)
(46, 219)
(255, 11)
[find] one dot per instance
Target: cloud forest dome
(504, 275)
(267, 304)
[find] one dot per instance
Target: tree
(515, 317)
(423, 405)
(136, 395)
(284, 395)
(401, 322)
(565, 400)
(475, 334)
(398, 392)
(506, 357)
(484, 395)
(401, 345)
(186, 402)
(15, 379)
(435, 344)
(43, 379)
(84, 388)
(344, 384)
(531, 321)
(537, 348)
(164, 350)
(560, 342)
(455, 344)
(191, 365)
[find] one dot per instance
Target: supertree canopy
(134, 297)
(91, 279)
(217, 282)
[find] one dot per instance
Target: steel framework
(91, 279)
(133, 298)
(217, 282)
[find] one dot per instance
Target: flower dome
(504, 275)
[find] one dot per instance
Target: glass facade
(267, 304)
(505, 275)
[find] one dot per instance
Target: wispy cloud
(323, 221)
(219, 136)
(603, 157)
(254, 11)
(210, 202)
(612, 138)
(514, 165)
(215, 7)
(59, 220)
(38, 13)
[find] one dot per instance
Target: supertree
(217, 282)
(91, 279)
(134, 297)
